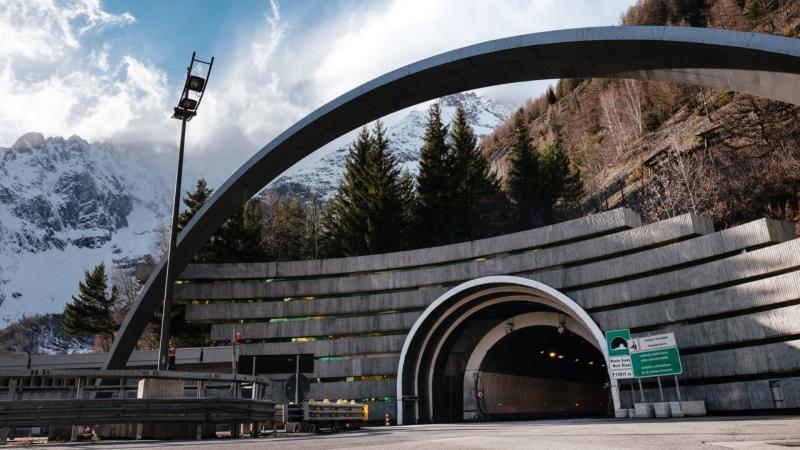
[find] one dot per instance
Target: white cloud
(284, 71)
(267, 78)
(50, 83)
(42, 29)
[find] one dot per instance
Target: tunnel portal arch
(423, 344)
(758, 64)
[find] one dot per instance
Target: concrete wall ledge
(670, 230)
(322, 327)
(605, 222)
(753, 294)
(356, 304)
(738, 268)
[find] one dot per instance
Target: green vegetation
(370, 212)
(90, 313)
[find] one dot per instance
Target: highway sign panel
(620, 367)
(617, 341)
(653, 363)
(654, 342)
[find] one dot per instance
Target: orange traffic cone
(386, 420)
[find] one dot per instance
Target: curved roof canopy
(758, 64)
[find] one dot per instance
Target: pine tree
(240, 239)
(286, 234)
(477, 206)
(523, 182)
(344, 216)
(573, 194)
(551, 96)
(553, 173)
(390, 198)
(435, 185)
(90, 313)
(370, 210)
(194, 200)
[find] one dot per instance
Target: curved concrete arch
(756, 63)
(519, 322)
(463, 301)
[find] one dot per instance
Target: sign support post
(297, 379)
(677, 388)
(641, 390)
(660, 390)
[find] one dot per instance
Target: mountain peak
(319, 179)
(29, 140)
(462, 98)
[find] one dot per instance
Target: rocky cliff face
(320, 177)
(65, 206)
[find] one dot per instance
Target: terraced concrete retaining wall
(730, 296)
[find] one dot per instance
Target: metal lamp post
(191, 96)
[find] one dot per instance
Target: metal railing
(80, 397)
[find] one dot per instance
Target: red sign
(237, 336)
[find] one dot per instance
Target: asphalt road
(741, 432)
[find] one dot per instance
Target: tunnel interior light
(560, 356)
(577, 359)
(552, 354)
(541, 352)
(591, 363)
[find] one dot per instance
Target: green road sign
(617, 341)
(653, 363)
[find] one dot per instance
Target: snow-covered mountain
(321, 175)
(65, 206)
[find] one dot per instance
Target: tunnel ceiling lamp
(191, 96)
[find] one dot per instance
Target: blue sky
(111, 70)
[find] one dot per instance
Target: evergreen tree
(240, 237)
(345, 216)
(523, 182)
(370, 210)
(573, 194)
(90, 313)
(553, 173)
(194, 200)
(477, 206)
(551, 96)
(390, 198)
(435, 184)
(287, 234)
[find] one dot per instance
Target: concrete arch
(759, 64)
(434, 326)
(497, 333)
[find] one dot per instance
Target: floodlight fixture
(195, 86)
(188, 103)
(196, 83)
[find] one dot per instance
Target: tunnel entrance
(503, 347)
(541, 372)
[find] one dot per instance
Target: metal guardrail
(80, 397)
(134, 410)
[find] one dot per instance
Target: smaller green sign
(654, 363)
(617, 341)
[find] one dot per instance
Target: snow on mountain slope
(65, 206)
(321, 176)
